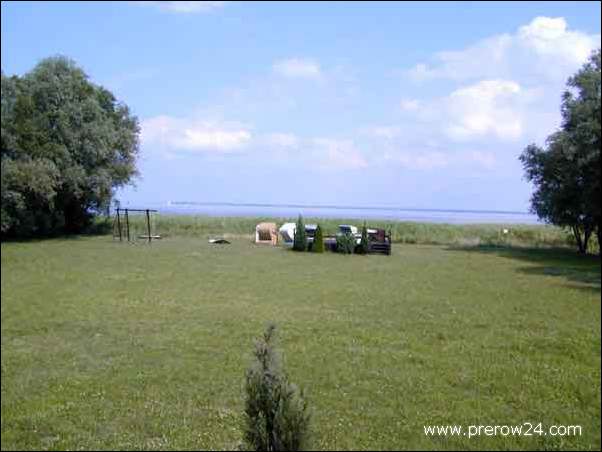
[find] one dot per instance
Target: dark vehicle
(379, 242)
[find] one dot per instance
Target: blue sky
(423, 105)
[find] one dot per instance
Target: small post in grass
(148, 228)
(127, 224)
(119, 225)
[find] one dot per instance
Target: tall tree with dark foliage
(67, 144)
(566, 173)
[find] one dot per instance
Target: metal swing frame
(127, 223)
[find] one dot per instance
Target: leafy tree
(300, 239)
(566, 173)
(363, 247)
(28, 191)
(67, 144)
(276, 416)
(318, 246)
(581, 121)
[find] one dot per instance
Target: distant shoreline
(359, 213)
(337, 207)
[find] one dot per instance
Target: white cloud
(550, 37)
(467, 63)
(183, 134)
(184, 6)
(298, 68)
(498, 109)
(172, 137)
(489, 107)
(543, 49)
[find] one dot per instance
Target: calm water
(382, 213)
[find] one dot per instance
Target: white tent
(287, 232)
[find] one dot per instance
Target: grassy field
(401, 231)
(108, 345)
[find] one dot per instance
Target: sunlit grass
(108, 345)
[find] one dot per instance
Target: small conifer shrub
(364, 246)
(276, 416)
(318, 246)
(300, 240)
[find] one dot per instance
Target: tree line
(67, 145)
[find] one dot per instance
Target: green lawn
(108, 345)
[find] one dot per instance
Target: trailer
(379, 241)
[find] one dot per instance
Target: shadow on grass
(97, 228)
(580, 272)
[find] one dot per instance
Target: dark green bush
(318, 245)
(363, 247)
(300, 241)
(345, 243)
(276, 414)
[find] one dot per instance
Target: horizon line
(342, 207)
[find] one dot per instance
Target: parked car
(349, 229)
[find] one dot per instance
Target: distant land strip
(325, 206)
